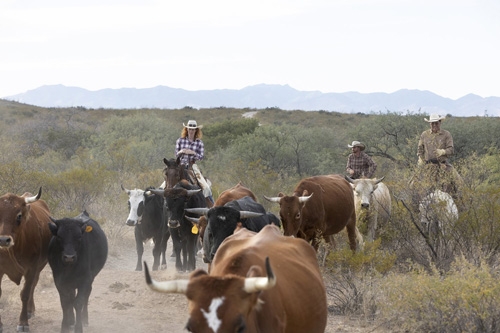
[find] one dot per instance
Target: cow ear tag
(88, 228)
(194, 230)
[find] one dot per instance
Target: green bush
(465, 299)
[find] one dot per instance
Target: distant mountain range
(259, 97)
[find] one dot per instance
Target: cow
(438, 212)
(238, 191)
(319, 206)
(24, 242)
(77, 252)
(372, 201)
(184, 233)
(259, 282)
(223, 220)
(147, 216)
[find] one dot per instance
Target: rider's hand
(440, 152)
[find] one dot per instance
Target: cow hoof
(23, 328)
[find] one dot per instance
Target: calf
(77, 252)
(148, 216)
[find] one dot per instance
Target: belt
(434, 161)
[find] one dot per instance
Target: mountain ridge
(258, 97)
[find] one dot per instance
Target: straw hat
(357, 144)
(192, 124)
(433, 118)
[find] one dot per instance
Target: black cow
(77, 252)
(185, 234)
(223, 220)
(148, 216)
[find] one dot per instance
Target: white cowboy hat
(433, 118)
(192, 124)
(356, 144)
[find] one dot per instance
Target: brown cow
(319, 206)
(237, 296)
(24, 243)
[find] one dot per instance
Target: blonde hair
(197, 135)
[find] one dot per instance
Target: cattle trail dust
(121, 301)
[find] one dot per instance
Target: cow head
(68, 234)
(291, 211)
(136, 202)
(363, 189)
(216, 303)
(176, 199)
(14, 212)
(221, 223)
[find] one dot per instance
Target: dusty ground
(120, 300)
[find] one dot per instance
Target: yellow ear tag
(194, 230)
(88, 228)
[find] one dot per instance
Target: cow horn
(175, 286)
(199, 211)
(124, 189)
(192, 219)
(255, 284)
(33, 198)
(379, 180)
(192, 192)
(245, 214)
(273, 199)
(305, 198)
(157, 192)
(349, 179)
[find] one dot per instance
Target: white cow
(437, 210)
(373, 202)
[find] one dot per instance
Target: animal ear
(305, 193)
(281, 194)
(197, 273)
(53, 226)
(255, 271)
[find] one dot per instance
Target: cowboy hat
(433, 118)
(356, 144)
(192, 124)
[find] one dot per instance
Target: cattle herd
(263, 273)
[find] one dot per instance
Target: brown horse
(175, 172)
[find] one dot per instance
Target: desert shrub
(352, 279)
(465, 299)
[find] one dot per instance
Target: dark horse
(175, 172)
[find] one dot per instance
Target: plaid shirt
(362, 165)
(197, 146)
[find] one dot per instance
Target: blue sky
(448, 47)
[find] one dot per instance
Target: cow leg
(81, 302)
(177, 242)
(164, 242)
(67, 298)
(157, 250)
(1, 324)
(355, 237)
(139, 247)
(27, 296)
(192, 245)
(184, 254)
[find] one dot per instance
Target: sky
(448, 47)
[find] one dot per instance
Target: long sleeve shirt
(363, 165)
(197, 146)
(429, 142)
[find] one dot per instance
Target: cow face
(136, 201)
(14, 212)
(363, 190)
(67, 236)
